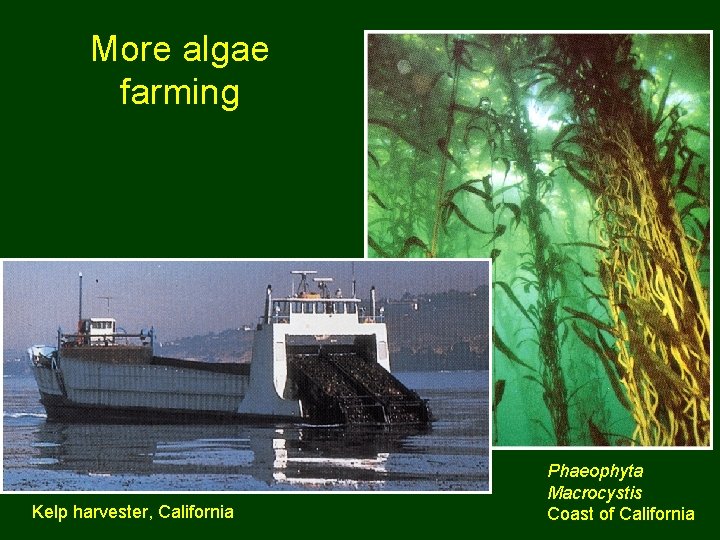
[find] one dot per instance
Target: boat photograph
(246, 376)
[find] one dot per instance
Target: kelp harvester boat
(316, 359)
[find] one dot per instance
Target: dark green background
(282, 176)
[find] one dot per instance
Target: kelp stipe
(648, 268)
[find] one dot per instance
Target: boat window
(382, 350)
(281, 311)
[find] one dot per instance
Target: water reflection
(299, 456)
(453, 455)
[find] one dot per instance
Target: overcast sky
(190, 298)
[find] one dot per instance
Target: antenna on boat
(323, 285)
(80, 302)
(108, 298)
(353, 279)
(303, 285)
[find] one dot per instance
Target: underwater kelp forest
(580, 164)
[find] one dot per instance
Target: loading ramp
(345, 388)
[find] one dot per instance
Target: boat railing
(363, 319)
(104, 340)
(284, 308)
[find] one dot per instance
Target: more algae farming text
(219, 54)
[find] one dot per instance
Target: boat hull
(318, 365)
(164, 391)
(62, 409)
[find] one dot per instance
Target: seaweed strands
(654, 294)
(650, 275)
(544, 260)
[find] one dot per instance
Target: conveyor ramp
(345, 388)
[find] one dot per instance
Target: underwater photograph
(580, 164)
